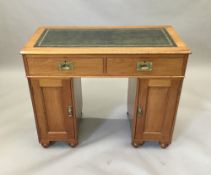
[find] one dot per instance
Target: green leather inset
(135, 37)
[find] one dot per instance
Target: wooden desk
(154, 59)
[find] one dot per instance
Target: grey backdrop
(105, 144)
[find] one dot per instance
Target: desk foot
(137, 144)
(164, 145)
(45, 144)
(73, 144)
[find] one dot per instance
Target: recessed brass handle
(144, 66)
(65, 66)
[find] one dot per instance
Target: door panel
(52, 98)
(53, 106)
(155, 110)
(158, 100)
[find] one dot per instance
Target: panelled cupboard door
(157, 106)
(53, 109)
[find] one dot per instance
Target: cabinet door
(52, 100)
(157, 106)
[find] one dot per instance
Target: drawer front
(64, 66)
(146, 66)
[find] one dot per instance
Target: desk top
(135, 37)
(105, 40)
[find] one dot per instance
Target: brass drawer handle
(65, 66)
(144, 66)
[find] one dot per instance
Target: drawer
(146, 66)
(64, 66)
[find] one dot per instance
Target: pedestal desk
(153, 58)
